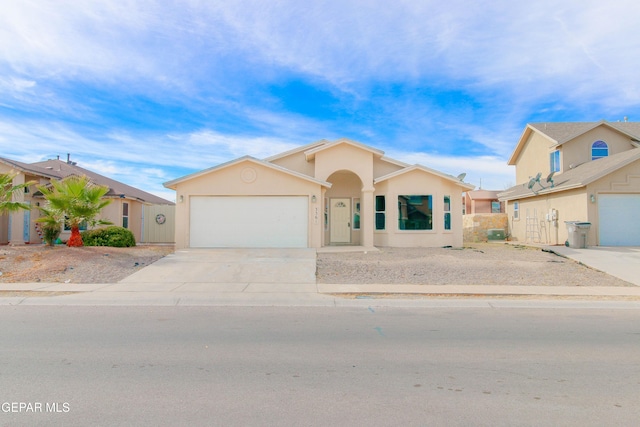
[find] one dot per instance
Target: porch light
(592, 198)
(313, 199)
(181, 198)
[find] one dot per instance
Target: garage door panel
(254, 222)
(618, 219)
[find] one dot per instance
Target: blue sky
(146, 92)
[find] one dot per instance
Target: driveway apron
(231, 266)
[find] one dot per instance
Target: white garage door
(249, 222)
(618, 218)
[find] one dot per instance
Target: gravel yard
(40, 263)
(475, 264)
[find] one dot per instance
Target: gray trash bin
(578, 233)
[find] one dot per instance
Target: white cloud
(342, 41)
(507, 56)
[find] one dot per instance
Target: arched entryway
(342, 209)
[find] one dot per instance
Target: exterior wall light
(592, 198)
(181, 198)
(313, 199)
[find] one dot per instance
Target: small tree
(52, 220)
(7, 192)
(79, 200)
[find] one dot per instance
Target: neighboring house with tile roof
(482, 202)
(149, 217)
(586, 172)
(326, 193)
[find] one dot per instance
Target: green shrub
(113, 236)
(50, 234)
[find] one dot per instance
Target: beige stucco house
(149, 217)
(325, 193)
(586, 172)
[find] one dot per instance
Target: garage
(249, 222)
(618, 219)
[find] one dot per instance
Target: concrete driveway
(228, 269)
(620, 262)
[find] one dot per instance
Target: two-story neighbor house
(150, 218)
(587, 172)
(325, 193)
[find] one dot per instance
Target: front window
(356, 214)
(599, 149)
(447, 212)
(125, 215)
(380, 212)
(516, 210)
(554, 161)
(415, 212)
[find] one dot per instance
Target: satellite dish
(461, 176)
(550, 178)
(533, 181)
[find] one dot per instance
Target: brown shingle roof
(60, 169)
(29, 168)
(562, 132)
(577, 177)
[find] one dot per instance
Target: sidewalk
(623, 263)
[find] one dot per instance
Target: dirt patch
(39, 263)
(477, 264)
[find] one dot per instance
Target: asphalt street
(319, 366)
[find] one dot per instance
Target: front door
(27, 224)
(340, 221)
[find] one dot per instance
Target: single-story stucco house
(325, 193)
(150, 218)
(585, 172)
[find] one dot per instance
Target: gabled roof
(577, 177)
(310, 154)
(296, 150)
(394, 162)
(172, 184)
(60, 169)
(427, 170)
(31, 169)
(561, 132)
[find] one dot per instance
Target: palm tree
(79, 200)
(7, 192)
(52, 220)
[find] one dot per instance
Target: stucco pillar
(17, 218)
(367, 217)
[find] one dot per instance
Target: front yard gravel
(475, 264)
